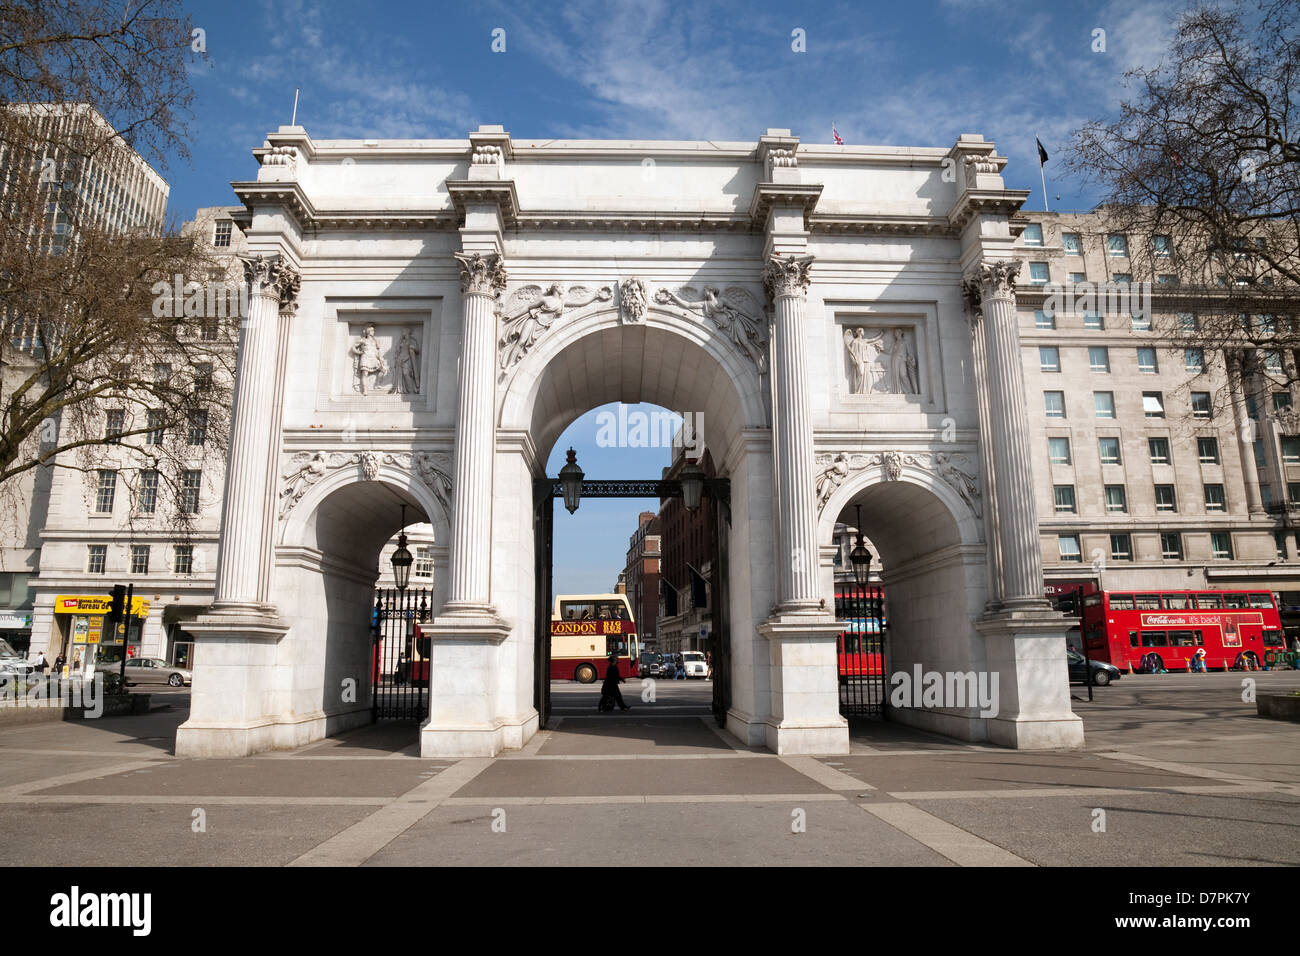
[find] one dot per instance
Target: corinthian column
(482, 277)
(971, 288)
(792, 436)
(1237, 370)
(243, 576)
(1021, 559)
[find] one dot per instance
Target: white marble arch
(681, 365)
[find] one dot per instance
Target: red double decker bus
(1163, 630)
(860, 646)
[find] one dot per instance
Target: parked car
(696, 665)
(1102, 673)
(13, 664)
(151, 670)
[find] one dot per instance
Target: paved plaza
(1184, 771)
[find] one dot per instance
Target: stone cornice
(832, 224)
(501, 192)
(288, 195)
(976, 202)
(767, 195)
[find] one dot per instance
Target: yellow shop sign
(95, 604)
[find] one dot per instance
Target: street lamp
(692, 478)
(860, 557)
(402, 558)
(571, 481)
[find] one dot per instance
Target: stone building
(685, 605)
(640, 577)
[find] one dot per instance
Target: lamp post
(402, 559)
(571, 481)
(860, 557)
(692, 479)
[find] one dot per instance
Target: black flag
(1042, 153)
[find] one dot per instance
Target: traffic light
(1068, 604)
(117, 607)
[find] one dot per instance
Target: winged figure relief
(530, 310)
(734, 311)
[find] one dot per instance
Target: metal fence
(861, 651)
(400, 659)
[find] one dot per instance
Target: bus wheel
(1101, 678)
(585, 674)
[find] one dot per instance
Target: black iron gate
(861, 650)
(543, 539)
(399, 678)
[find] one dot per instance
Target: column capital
(992, 279)
(481, 274)
(788, 276)
(273, 277)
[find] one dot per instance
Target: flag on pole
(1042, 158)
(1042, 153)
(835, 134)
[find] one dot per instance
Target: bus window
(1092, 600)
(1181, 639)
(1261, 600)
(1121, 602)
(1132, 638)
(1272, 638)
(1234, 600)
(1200, 638)
(1177, 602)
(1148, 602)
(1154, 639)
(1204, 601)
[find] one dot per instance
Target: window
(105, 492)
(1293, 492)
(1141, 321)
(1147, 361)
(209, 329)
(1207, 450)
(1252, 407)
(1291, 450)
(96, 558)
(1109, 448)
(1279, 541)
(1064, 499)
(162, 373)
(1104, 404)
(1165, 500)
(198, 432)
(146, 501)
(1072, 243)
(1214, 500)
(1194, 360)
(1273, 361)
(1167, 278)
(1068, 545)
(183, 559)
(423, 562)
(1201, 405)
(1267, 325)
(1044, 320)
(116, 424)
(1033, 234)
(155, 434)
(1162, 246)
(221, 236)
(1049, 359)
(1117, 245)
(1266, 495)
(1188, 322)
(139, 559)
(1123, 278)
(1078, 277)
(1094, 320)
(1059, 450)
(1159, 449)
(1038, 273)
(1116, 500)
(1054, 404)
(1153, 404)
(1099, 358)
(1121, 547)
(1171, 546)
(190, 481)
(1281, 400)
(1221, 545)
(1147, 602)
(203, 377)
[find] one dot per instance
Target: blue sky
(917, 73)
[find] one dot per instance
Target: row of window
(1116, 499)
(1153, 404)
(1049, 360)
(196, 433)
(182, 559)
(1171, 546)
(146, 496)
(1162, 247)
(1207, 450)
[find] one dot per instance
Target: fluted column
(483, 276)
(792, 436)
(1236, 362)
(1017, 523)
(242, 573)
(971, 287)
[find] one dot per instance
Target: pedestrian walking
(60, 663)
(708, 660)
(40, 663)
(681, 667)
(609, 690)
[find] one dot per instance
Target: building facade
(640, 577)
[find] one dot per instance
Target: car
(696, 665)
(13, 664)
(152, 670)
(1102, 673)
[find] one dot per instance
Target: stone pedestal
(463, 699)
(805, 685)
(1026, 649)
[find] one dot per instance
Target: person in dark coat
(612, 679)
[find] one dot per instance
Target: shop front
(79, 619)
(16, 628)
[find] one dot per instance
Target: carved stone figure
(632, 301)
(863, 353)
(964, 484)
(311, 468)
(530, 311)
(892, 465)
(902, 366)
(369, 465)
(435, 479)
(830, 478)
(406, 358)
(370, 364)
(733, 312)
(881, 362)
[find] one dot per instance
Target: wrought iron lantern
(692, 478)
(860, 557)
(402, 559)
(571, 482)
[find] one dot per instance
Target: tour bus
(860, 648)
(1163, 630)
(585, 630)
